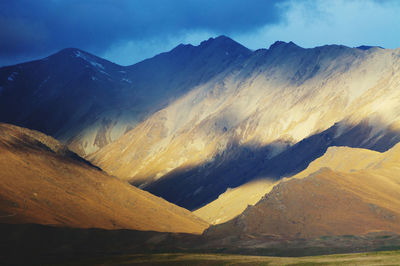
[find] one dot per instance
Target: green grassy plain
(369, 258)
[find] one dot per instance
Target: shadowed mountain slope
(88, 102)
(268, 118)
(42, 182)
(348, 201)
(192, 187)
(192, 122)
(234, 201)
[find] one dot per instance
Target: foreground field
(30, 244)
(371, 258)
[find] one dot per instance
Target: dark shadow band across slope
(195, 187)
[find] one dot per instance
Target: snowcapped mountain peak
(70, 51)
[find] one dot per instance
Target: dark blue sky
(126, 31)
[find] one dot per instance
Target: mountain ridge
(43, 182)
(274, 100)
(212, 116)
(109, 99)
(324, 201)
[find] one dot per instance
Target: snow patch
(95, 64)
(94, 78)
(12, 76)
(103, 72)
(87, 58)
(41, 84)
(122, 71)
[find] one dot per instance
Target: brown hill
(42, 182)
(234, 201)
(327, 202)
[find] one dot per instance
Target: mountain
(43, 182)
(362, 195)
(234, 201)
(87, 102)
(267, 116)
(190, 123)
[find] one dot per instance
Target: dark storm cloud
(37, 27)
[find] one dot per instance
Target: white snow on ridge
(91, 61)
(41, 84)
(127, 80)
(95, 64)
(103, 72)
(12, 76)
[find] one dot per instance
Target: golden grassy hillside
(354, 199)
(234, 201)
(43, 182)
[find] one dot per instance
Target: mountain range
(267, 116)
(216, 139)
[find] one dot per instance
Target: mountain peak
(220, 40)
(225, 44)
(221, 43)
(77, 55)
(282, 44)
(69, 51)
(367, 47)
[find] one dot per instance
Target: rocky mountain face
(188, 124)
(88, 102)
(268, 116)
(345, 192)
(43, 182)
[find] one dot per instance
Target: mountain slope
(343, 159)
(255, 120)
(88, 102)
(327, 202)
(43, 182)
(234, 201)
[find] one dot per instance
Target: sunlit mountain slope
(87, 102)
(346, 201)
(234, 201)
(42, 182)
(267, 117)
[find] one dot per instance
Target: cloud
(126, 31)
(32, 28)
(347, 22)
